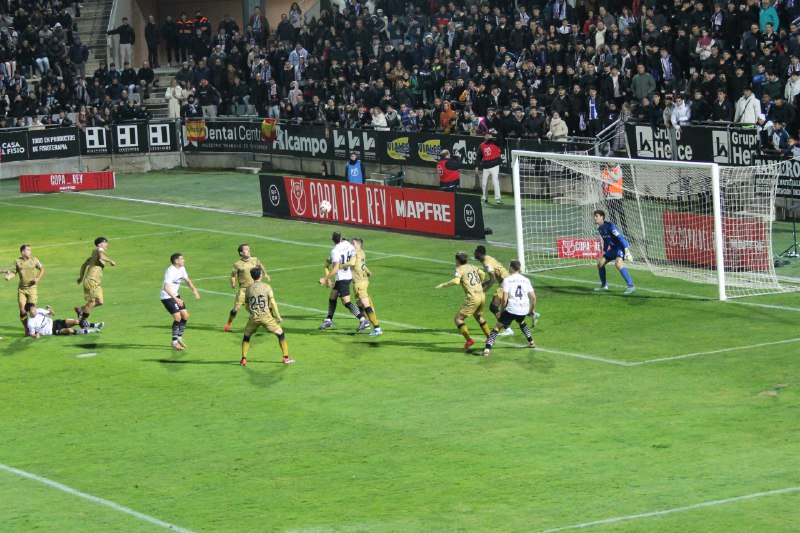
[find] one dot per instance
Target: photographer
(448, 169)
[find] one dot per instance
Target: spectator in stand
(228, 24)
(558, 129)
(152, 36)
(79, 55)
(285, 30)
(643, 84)
(170, 32)
(722, 110)
(128, 77)
(209, 98)
(174, 97)
(145, 77)
(201, 23)
(185, 36)
(681, 113)
(191, 109)
(747, 107)
(259, 25)
(127, 38)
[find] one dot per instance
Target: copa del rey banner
(67, 181)
(377, 206)
(689, 238)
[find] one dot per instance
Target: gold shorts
(241, 297)
(28, 294)
(472, 306)
(253, 324)
(92, 291)
(499, 293)
(360, 290)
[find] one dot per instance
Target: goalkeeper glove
(628, 255)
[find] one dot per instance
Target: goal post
(694, 221)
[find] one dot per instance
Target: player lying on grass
(41, 325)
(519, 301)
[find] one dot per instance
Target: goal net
(693, 221)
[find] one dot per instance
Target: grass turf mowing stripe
(95, 499)
(411, 326)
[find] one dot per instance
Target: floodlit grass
(404, 432)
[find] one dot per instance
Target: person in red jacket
(447, 168)
(489, 159)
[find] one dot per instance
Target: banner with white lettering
(788, 178)
(413, 210)
(14, 145)
(55, 143)
(68, 181)
(734, 145)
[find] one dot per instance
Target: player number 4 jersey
(518, 288)
(173, 278)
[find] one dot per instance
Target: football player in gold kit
(497, 273)
(471, 279)
(241, 273)
(263, 313)
(92, 275)
(361, 275)
(30, 272)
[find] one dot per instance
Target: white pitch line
(282, 269)
(317, 245)
(170, 204)
(94, 499)
(701, 505)
(712, 352)
(89, 242)
(411, 326)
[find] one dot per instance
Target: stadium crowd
(524, 68)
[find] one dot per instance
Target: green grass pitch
(663, 411)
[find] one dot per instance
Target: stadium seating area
(463, 67)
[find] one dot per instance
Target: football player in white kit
(339, 258)
(172, 301)
(519, 301)
(41, 325)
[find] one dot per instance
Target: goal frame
(712, 168)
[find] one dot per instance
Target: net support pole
(719, 243)
(515, 183)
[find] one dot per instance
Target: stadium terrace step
(248, 170)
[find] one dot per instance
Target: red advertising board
(373, 205)
(689, 238)
(68, 181)
(580, 248)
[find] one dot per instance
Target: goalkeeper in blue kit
(615, 248)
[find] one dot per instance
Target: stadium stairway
(92, 25)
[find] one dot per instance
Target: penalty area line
(411, 326)
(713, 352)
(94, 499)
(701, 505)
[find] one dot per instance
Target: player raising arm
(471, 279)
(241, 272)
(615, 248)
(519, 301)
(30, 272)
(173, 303)
(92, 276)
